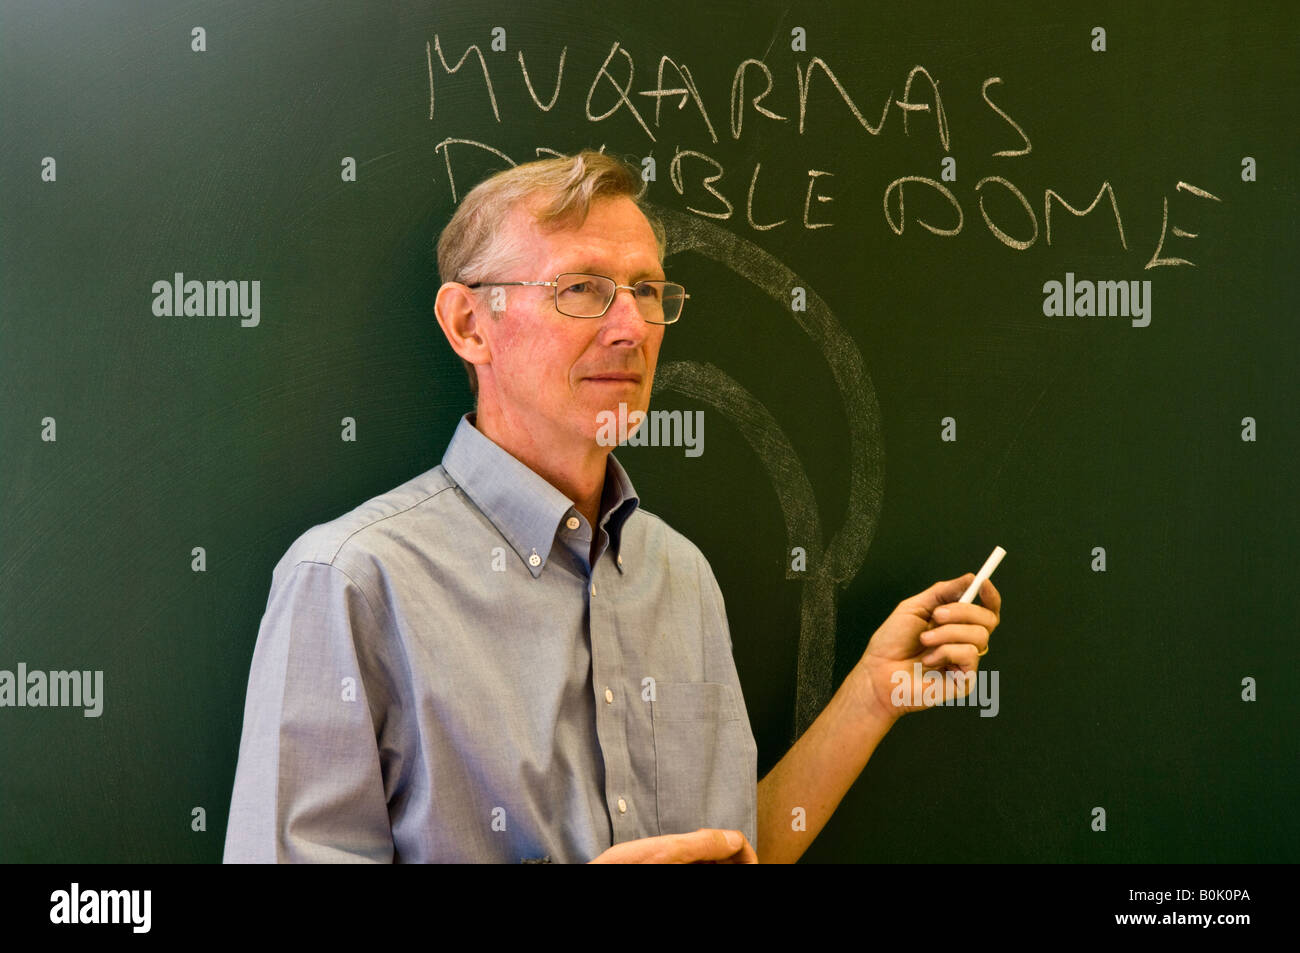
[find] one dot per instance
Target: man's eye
(576, 287)
(647, 291)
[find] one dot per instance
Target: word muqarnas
(757, 96)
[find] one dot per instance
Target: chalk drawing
(829, 566)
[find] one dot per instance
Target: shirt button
(622, 806)
(593, 588)
(534, 560)
(572, 522)
(609, 697)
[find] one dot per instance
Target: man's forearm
(815, 774)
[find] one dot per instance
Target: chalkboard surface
(869, 206)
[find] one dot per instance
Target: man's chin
(612, 422)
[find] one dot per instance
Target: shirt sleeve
(309, 787)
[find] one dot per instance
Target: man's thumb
(945, 591)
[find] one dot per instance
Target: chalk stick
(986, 570)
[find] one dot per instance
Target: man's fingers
(976, 635)
(712, 844)
(705, 846)
(961, 654)
(990, 596)
(746, 854)
(950, 590)
(965, 612)
(945, 590)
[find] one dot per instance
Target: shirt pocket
(704, 758)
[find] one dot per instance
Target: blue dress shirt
(443, 674)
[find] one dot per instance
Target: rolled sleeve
(309, 786)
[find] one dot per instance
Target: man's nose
(624, 316)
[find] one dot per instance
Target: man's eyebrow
(589, 269)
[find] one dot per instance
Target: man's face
(553, 374)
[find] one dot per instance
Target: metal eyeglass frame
(609, 304)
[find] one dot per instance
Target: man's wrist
(866, 699)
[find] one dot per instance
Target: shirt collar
(524, 507)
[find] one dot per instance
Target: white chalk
(986, 570)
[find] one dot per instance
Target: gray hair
(478, 242)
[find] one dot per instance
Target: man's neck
(577, 471)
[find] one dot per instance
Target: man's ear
(460, 315)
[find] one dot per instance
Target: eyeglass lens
(588, 296)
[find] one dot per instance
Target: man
(507, 658)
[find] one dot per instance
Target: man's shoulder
(685, 565)
(657, 535)
(405, 515)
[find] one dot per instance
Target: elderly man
(507, 658)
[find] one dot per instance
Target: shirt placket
(608, 680)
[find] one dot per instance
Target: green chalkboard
(869, 205)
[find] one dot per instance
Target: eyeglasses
(590, 296)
